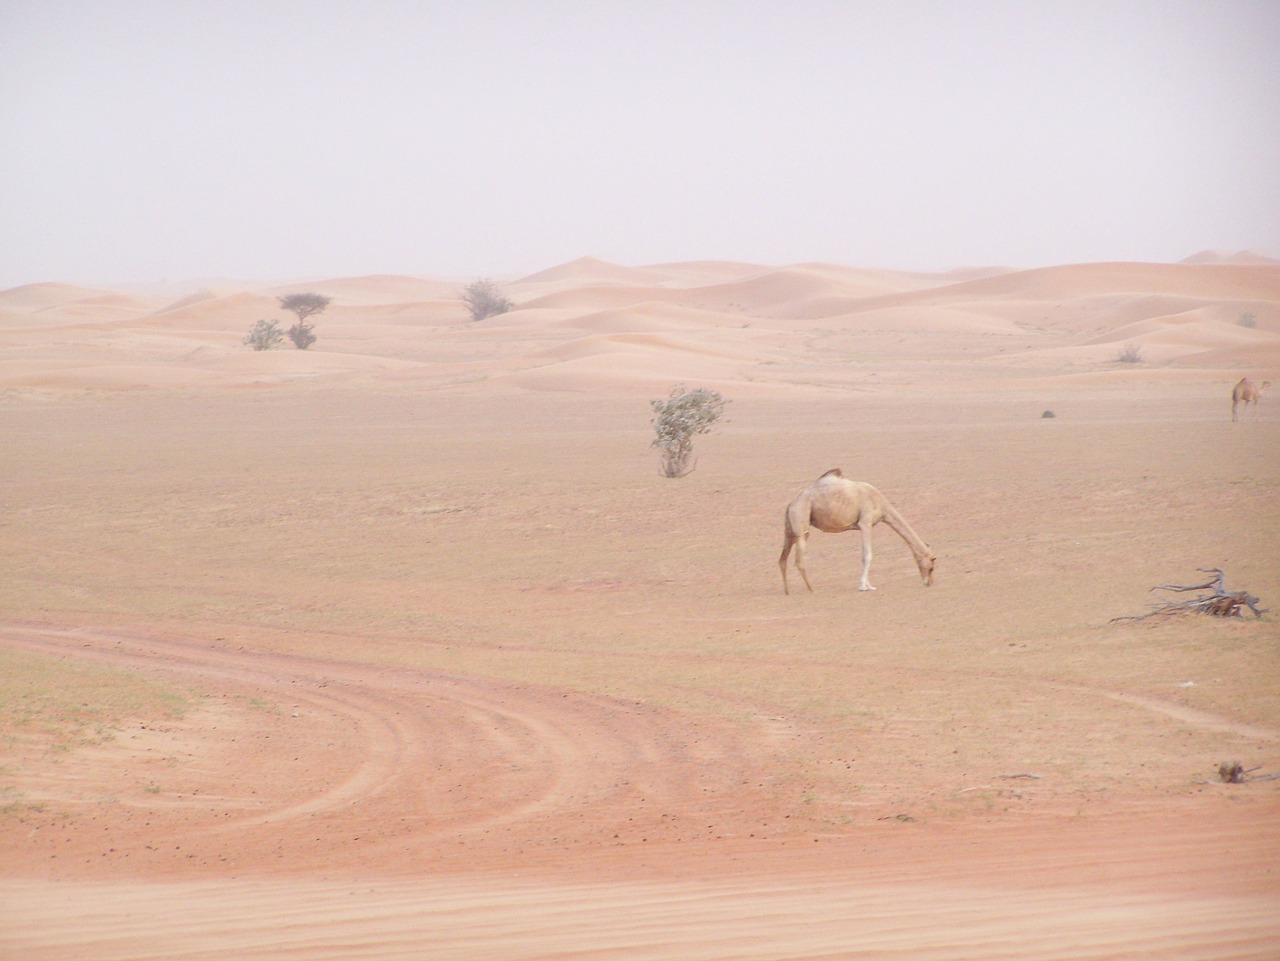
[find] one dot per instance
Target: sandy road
(389, 813)
(459, 920)
(409, 767)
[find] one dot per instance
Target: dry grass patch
(53, 704)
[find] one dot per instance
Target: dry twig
(1221, 603)
(1233, 772)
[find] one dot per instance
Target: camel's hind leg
(798, 542)
(801, 543)
(795, 534)
(788, 540)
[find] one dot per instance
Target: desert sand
(401, 647)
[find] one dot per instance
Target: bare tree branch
(1220, 603)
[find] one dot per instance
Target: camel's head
(926, 563)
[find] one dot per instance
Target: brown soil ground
(403, 649)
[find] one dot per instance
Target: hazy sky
(142, 141)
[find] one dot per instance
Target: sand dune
(228, 312)
(594, 296)
(34, 297)
(944, 321)
(593, 272)
(196, 297)
(590, 271)
(1192, 328)
(817, 318)
(1084, 280)
(794, 292)
(650, 315)
(703, 273)
(1246, 257)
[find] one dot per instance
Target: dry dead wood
(1233, 772)
(1220, 603)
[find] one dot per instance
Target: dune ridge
(1221, 315)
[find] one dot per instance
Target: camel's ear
(834, 472)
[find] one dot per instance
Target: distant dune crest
(1241, 258)
(592, 326)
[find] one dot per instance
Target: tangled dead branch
(1220, 603)
(1233, 772)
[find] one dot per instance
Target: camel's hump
(834, 472)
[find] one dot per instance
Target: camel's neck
(895, 520)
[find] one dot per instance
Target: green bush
(301, 335)
(483, 299)
(677, 420)
(264, 335)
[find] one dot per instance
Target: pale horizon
(287, 141)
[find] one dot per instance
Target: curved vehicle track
(398, 766)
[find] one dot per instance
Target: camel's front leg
(864, 584)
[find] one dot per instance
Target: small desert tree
(304, 305)
(264, 335)
(677, 420)
(483, 299)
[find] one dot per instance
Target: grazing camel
(835, 504)
(1247, 392)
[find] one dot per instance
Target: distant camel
(1247, 392)
(834, 504)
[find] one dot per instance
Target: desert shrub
(677, 420)
(1132, 354)
(301, 335)
(483, 299)
(264, 335)
(303, 305)
(1248, 320)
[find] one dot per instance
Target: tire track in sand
(443, 758)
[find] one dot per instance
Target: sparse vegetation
(1132, 354)
(60, 705)
(483, 299)
(680, 418)
(303, 305)
(1248, 320)
(302, 335)
(264, 335)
